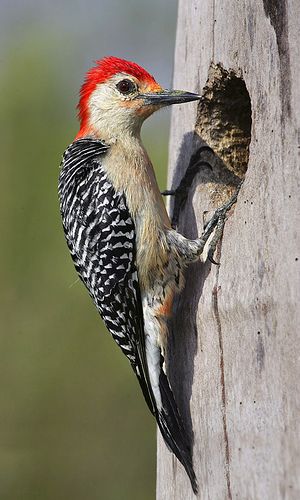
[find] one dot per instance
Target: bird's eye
(125, 86)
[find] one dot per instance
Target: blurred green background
(73, 422)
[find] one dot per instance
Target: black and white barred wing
(101, 237)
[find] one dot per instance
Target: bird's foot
(216, 223)
(181, 192)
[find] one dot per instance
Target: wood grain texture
(234, 353)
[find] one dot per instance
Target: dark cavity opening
(224, 124)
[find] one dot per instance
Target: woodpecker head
(118, 95)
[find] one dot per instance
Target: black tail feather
(172, 429)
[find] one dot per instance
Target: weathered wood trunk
(234, 353)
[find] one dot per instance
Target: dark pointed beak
(167, 97)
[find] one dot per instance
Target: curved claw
(211, 259)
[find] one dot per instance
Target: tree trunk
(234, 345)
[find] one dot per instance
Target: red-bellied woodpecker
(119, 233)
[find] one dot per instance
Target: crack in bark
(222, 374)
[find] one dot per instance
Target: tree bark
(234, 345)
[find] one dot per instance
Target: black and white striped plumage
(101, 236)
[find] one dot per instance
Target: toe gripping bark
(217, 222)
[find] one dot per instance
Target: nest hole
(224, 124)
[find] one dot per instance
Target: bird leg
(190, 250)
(218, 220)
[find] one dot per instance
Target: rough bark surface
(234, 348)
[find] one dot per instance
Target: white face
(115, 108)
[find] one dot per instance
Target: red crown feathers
(105, 68)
